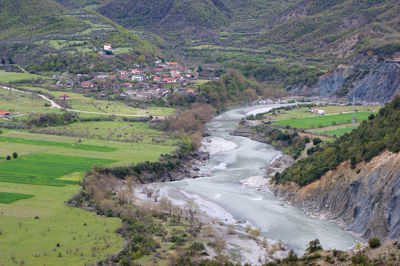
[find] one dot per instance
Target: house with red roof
(87, 84)
(65, 97)
(156, 78)
(5, 114)
(169, 80)
(128, 85)
(108, 47)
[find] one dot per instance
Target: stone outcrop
(364, 200)
(364, 79)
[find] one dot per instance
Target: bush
(314, 245)
(374, 242)
(359, 259)
(316, 141)
(8, 157)
(15, 155)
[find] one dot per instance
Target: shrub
(15, 155)
(316, 141)
(359, 259)
(374, 242)
(314, 245)
(8, 157)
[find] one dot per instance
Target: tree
(314, 245)
(219, 247)
(15, 155)
(191, 209)
(3, 61)
(166, 205)
(8, 157)
(374, 242)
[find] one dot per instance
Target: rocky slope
(364, 79)
(365, 200)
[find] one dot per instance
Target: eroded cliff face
(364, 200)
(363, 79)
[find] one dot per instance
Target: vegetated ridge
(355, 179)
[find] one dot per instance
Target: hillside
(335, 29)
(34, 17)
(380, 132)
(168, 15)
(53, 38)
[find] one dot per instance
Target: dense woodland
(380, 132)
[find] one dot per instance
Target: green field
(45, 169)
(77, 146)
(134, 132)
(6, 197)
(29, 103)
(302, 112)
(322, 121)
(82, 103)
(31, 241)
(6, 77)
(49, 168)
(338, 131)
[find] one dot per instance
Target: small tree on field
(15, 155)
(8, 157)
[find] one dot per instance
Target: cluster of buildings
(142, 83)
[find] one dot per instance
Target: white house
(108, 47)
(137, 78)
(318, 111)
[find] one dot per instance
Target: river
(234, 158)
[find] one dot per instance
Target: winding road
(53, 104)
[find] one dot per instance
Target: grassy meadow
(80, 102)
(303, 112)
(36, 225)
(29, 103)
(6, 77)
(322, 121)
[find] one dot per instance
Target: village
(139, 83)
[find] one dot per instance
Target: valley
(210, 132)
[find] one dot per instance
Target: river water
(234, 158)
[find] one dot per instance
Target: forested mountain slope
(336, 28)
(34, 16)
(168, 15)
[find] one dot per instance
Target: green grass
(125, 153)
(29, 103)
(77, 146)
(322, 121)
(306, 111)
(338, 131)
(15, 76)
(136, 132)
(34, 241)
(82, 103)
(6, 197)
(45, 169)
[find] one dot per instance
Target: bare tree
(191, 209)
